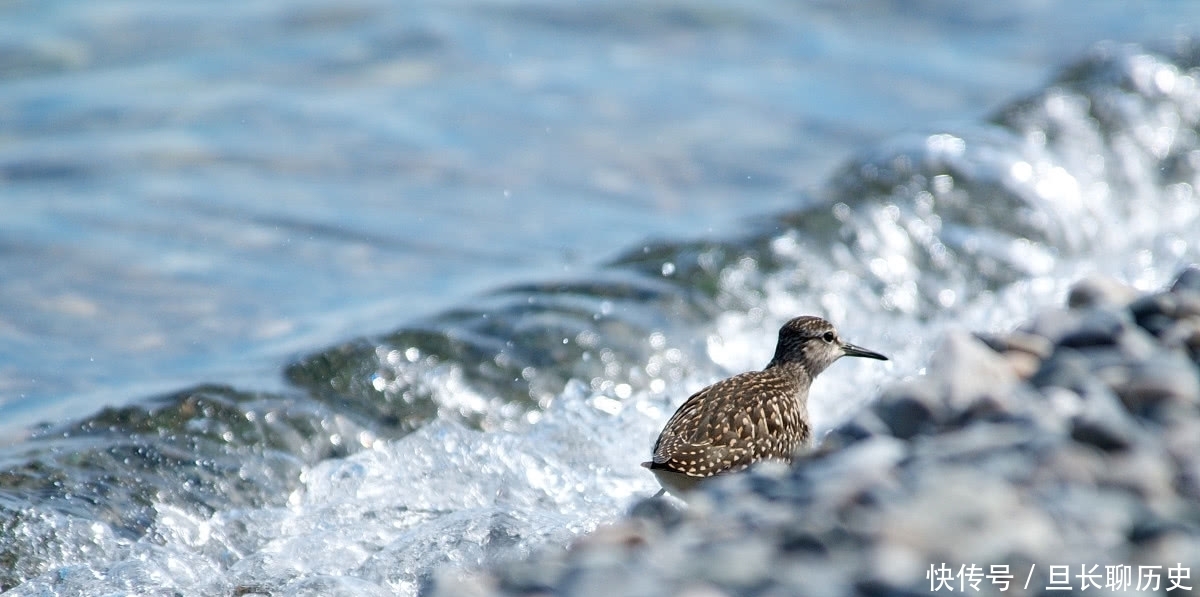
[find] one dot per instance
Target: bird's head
(815, 344)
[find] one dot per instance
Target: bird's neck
(793, 370)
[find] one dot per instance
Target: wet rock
(1160, 389)
(840, 480)
(966, 379)
(1066, 368)
(1153, 313)
(1051, 324)
(663, 513)
(1158, 312)
(1023, 352)
(863, 426)
(1147, 473)
(1036, 346)
(1187, 280)
(1023, 365)
(1101, 421)
(969, 372)
(1184, 335)
(982, 511)
(1094, 327)
(1100, 291)
(908, 412)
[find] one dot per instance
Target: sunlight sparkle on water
(947, 144)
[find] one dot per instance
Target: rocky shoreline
(1064, 455)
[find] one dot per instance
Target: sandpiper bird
(759, 415)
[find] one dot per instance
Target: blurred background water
(195, 193)
(528, 229)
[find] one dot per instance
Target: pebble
(1188, 280)
(1074, 440)
(1100, 291)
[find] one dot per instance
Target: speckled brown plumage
(759, 415)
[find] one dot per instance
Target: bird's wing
(725, 423)
(718, 460)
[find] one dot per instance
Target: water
(210, 196)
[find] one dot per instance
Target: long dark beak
(851, 350)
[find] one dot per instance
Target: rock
(1030, 344)
(1152, 313)
(1023, 364)
(1102, 422)
(1184, 334)
(969, 371)
(907, 411)
(1066, 368)
(1158, 312)
(965, 379)
(839, 480)
(1182, 443)
(657, 511)
(1100, 291)
(862, 426)
(1023, 352)
(1187, 280)
(1051, 324)
(1094, 327)
(1161, 388)
(983, 512)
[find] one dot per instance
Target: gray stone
(969, 370)
(840, 479)
(1094, 327)
(1052, 324)
(661, 512)
(1022, 351)
(1023, 364)
(1032, 344)
(1100, 291)
(1158, 312)
(863, 425)
(907, 411)
(1187, 280)
(1066, 368)
(1183, 334)
(965, 380)
(1102, 422)
(1161, 388)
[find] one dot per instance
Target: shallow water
(353, 169)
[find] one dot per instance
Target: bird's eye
(829, 337)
